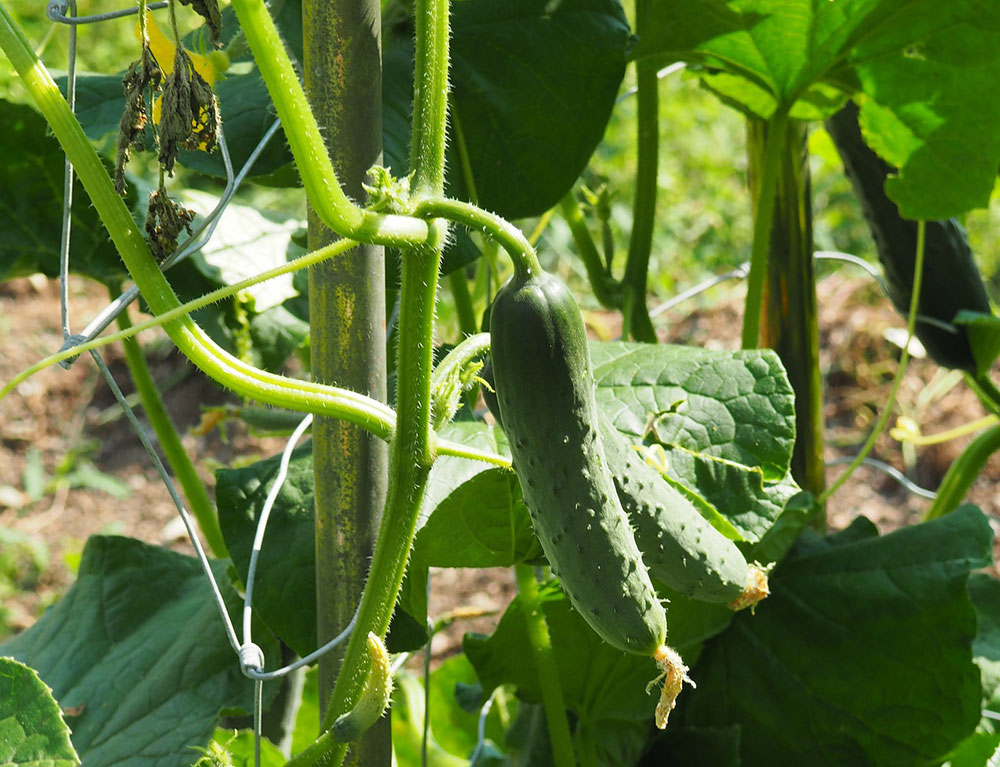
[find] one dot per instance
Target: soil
(60, 422)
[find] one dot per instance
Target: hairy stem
(430, 98)
(512, 239)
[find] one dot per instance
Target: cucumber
(374, 699)
(680, 547)
(952, 281)
(545, 390)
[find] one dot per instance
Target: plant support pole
(343, 75)
(788, 317)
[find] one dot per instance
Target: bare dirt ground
(59, 421)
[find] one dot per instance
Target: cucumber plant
(556, 469)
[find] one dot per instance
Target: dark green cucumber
(951, 282)
(545, 388)
(680, 547)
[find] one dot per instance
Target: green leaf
(32, 730)
(605, 688)
(482, 523)
(533, 85)
(734, 406)
(922, 72)
(695, 747)
(31, 195)
(871, 637)
(984, 591)
(285, 584)
(929, 108)
(136, 649)
(726, 421)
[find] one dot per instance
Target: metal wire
(892, 471)
(56, 11)
(739, 273)
(660, 75)
(265, 514)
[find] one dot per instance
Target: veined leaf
(922, 72)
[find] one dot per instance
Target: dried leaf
(165, 220)
(142, 75)
(189, 112)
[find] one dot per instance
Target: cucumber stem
(904, 359)
(520, 250)
(545, 666)
(963, 472)
(306, 141)
(638, 324)
(199, 502)
(605, 288)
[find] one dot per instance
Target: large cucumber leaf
(863, 653)
(31, 194)
(922, 72)
(137, 653)
(725, 420)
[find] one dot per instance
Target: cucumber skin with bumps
(680, 547)
(545, 390)
(951, 282)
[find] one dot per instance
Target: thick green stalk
(963, 472)
(412, 452)
(790, 324)
(199, 502)
(604, 287)
(428, 132)
(306, 141)
(189, 338)
(637, 321)
(762, 222)
(545, 667)
(343, 75)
